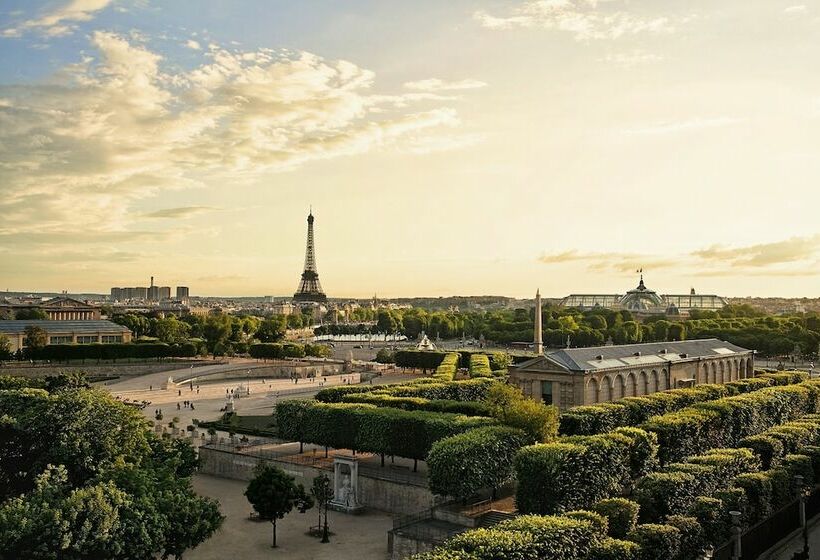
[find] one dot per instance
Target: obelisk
(538, 338)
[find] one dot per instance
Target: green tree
(31, 315)
(35, 340)
(385, 356)
(216, 330)
(272, 329)
(537, 420)
(273, 494)
(322, 492)
(171, 330)
(5, 347)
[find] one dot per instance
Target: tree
(537, 420)
(5, 348)
(171, 330)
(273, 494)
(322, 492)
(36, 339)
(385, 356)
(31, 315)
(272, 329)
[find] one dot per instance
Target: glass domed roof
(641, 298)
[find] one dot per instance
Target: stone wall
(121, 369)
(403, 546)
(383, 495)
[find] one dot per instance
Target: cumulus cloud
(796, 9)
(59, 21)
(191, 44)
(585, 19)
(796, 256)
(78, 153)
(435, 84)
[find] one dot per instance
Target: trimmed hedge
(604, 417)
(463, 464)
(469, 408)
(558, 538)
(614, 549)
(418, 359)
(448, 367)
(363, 427)
(725, 422)
(115, 351)
(426, 388)
(656, 541)
(621, 514)
(480, 366)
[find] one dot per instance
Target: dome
(641, 299)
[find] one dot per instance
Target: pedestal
(346, 485)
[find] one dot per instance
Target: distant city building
(310, 290)
(57, 309)
(182, 293)
(582, 376)
(152, 293)
(282, 308)
(164, 293)
(66, 332)
(643, 301)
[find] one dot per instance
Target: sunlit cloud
(631, 59)
(675, 126)
(179, 213)
(59, 21)
(435, 84)
(584, 19)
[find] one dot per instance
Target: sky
(460, 147)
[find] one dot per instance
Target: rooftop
(602, 357)
(18, 327)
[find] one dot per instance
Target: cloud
(191, 44)
(435, 84)
(114, 129)
(796, 10)
(585, 19)
(697, 123)
(631, 59)
(179, 213)
(796, 256)
(57, 22)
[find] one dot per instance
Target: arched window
(630, 385)
(653, 382)
(618, 388)
(605, 390)
(641, 389)
(592, 391)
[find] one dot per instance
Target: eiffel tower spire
(309, 287)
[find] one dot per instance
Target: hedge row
(577, 472)
(418, 359)
(461, 465)
(470, 408)
(725, 422)
(448, 367)
(579, 535)
(777, 442)
(433, 389)
(364, 427)
(631, 411)
(115, 351)
(480, 366)
(278, 351)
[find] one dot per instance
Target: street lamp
(736, 533)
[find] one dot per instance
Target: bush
(558, 538)
(363, 427)
(692, 538)
(656, 541)
(448, 367)
(800, 465)
(621, 514)
(418, 359)
(463, 464)
(768, 449)
(599, 522)
(416, 403)
(662, 493)
(643, 451)
(713, 517)
(758, 489)
(614, 549)
(494, 544)
(480, 366)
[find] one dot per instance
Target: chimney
(152, 281)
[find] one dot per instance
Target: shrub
(599, 522)
(559, 538)
(614, 549)
(418, 359)
(712, 517)
(768, 449)
(469, 408)
(656, 541)
(758, 489)
(621, 514)
(448, 367)
(692, 538)
(494, 544)
(480, 366)
(662, 493)
(813, 452)
(800, 465)
(461, 465)
(444, 554)
(337, 394)
(643, 451)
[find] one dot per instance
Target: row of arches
(631, 384)
(634, 384)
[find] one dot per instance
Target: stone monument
(346, 485)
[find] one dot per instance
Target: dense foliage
(468, 390)
(77, 456)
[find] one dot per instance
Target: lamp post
(802, 494)
(736, 532)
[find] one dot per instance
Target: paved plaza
(359, 537)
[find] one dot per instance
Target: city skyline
(485, 147)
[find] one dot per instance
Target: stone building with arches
(582, 376)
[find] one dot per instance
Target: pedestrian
(179, 393)
(197, 390)
(192, 406)
(150, 387)
(177, 406)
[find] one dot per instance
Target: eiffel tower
(310, 290)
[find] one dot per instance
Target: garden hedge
(614, 549)
(656, 541)
(448, 367)
(461, 465)
(621, 514)
(480, 366)
(470, 408)
(363, 427)
(418, 359)
(604, 417)
(426, 388)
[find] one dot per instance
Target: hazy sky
(458, 147)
